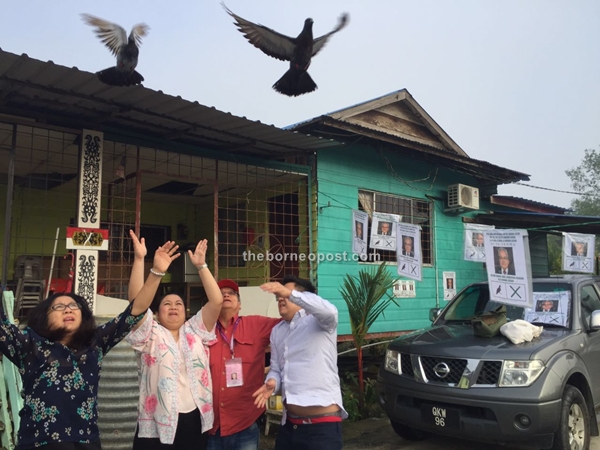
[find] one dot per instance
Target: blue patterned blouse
(60, 386)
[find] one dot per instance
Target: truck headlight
(520, 373)
(392, 361)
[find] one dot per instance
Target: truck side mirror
(435, 312)
(595, 321)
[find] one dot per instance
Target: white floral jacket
(158, 364)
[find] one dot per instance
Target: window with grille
(412, 210)
(232, 236)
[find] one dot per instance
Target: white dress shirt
(304, 354)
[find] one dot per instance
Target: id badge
(233, 372)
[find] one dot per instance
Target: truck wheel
(408, 433)
(573, 431)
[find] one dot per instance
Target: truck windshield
(475, 300)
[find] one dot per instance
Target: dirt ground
(377, 434)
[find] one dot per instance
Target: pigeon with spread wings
(126, 49)
(298, 51)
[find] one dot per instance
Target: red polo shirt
(234, 406)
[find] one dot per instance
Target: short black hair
(302, 285)
(37, 320)
(155, 305)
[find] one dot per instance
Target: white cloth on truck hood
(519, 331)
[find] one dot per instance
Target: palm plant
(366, 296)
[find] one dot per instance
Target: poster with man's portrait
(383, 231)
(578, 252)
(474, 243)
(360, 223)
(550, 308)
(449, 280)
(509, 267)
(408, 250)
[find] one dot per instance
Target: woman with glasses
(59, 355)
(175, 410)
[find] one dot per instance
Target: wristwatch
(203, 266)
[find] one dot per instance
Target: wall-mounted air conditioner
(463, 196)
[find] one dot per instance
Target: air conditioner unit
(463, 196)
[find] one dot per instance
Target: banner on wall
(408, 250)
(360, 230)
(509, 267)
(474, 247)
(383, 231)
(578, 252)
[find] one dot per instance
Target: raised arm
(163, 257)
(325, 312)
(136, 280)
(210, 311)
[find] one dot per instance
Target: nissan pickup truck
(542, 393)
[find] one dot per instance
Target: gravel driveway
(377, 434)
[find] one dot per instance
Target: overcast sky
(513, 82)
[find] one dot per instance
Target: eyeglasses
(229, 294)
(61, 307)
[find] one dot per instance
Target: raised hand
(198, 258)
(139, 246)
(276, 288)
(165, 255)
(263, 394)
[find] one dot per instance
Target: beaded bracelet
(157, 273)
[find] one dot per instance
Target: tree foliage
(585, 179)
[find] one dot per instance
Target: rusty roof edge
(310, 142)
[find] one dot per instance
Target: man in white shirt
(304, 368)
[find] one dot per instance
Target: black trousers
(317, 436)
(188, 436)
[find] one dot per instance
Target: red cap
(229, 284)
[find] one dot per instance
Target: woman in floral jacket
(59, 355)
(175, 408)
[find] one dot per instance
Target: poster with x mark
(509, 267)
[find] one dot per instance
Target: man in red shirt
(237, 366)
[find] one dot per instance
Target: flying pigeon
(298, 51)
(126, 49)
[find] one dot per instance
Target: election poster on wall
(383, 231)
(474, 246)
(509, 267)
(449, 280)
(578, 252)
(408, 251)
(360, 223)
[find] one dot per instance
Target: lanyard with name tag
(234, 376)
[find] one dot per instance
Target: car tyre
(409, 433)
(573, 431)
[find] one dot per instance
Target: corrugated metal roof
(72, 98)
(449, 154)
(541, 221)
(402, 96)
(527, 204)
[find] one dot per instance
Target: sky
(513, 82)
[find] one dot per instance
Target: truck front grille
(443, 370)
(490, 372)
(406, 365)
